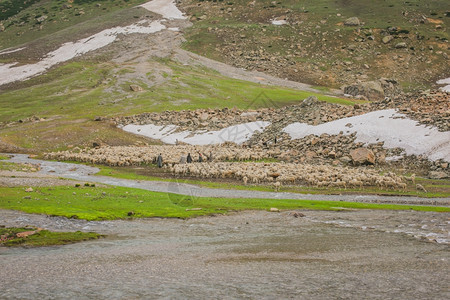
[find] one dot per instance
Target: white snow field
(445, 81)
(165, 8)
(388, 126)
(237, 133)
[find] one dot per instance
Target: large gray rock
(437, 175)
(362, 156)
(372, 90)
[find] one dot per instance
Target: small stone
(298, 215)
(401, 45)
(29, 190)
(136, 88)
(353, 21)
(387, 39)
(274, 209)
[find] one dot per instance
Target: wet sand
(324, 255)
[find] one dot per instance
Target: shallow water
(246, 255)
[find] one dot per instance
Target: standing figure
(189, 158)
(200, 157)
(159, 161)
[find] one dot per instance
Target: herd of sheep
(134, 156)
(279, 174)
(235, 162)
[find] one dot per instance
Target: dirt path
(85, 173)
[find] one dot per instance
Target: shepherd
(159, 161)
(189, 158)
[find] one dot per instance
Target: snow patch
(388, 126)
(279, 22)
(445, 81)
(237, 133)
(11, 51)
(166, 8)
(9, 73)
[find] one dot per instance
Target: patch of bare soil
(27, 179)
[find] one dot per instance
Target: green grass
(44, 237)
(76, 90)
(21, 26)
(98, 203)
(71, 96)
(3, 157)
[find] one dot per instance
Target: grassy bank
(98, 203)
(11, 237)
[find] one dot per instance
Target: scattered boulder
(136, 88)
(387, 39)
(371, 90)
(29, 190)
(297, 215)
(353, 21)
(311, 100)
(41, 19)
(362, 156)
(273, 209)
(401, 45)
(437, 175)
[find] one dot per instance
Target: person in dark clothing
(189, 158)
(159, 161)
(200, 157)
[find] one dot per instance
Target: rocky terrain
(329, 43)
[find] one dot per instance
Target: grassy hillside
(68, 98)
(26, 21)
(57, 109)
(316, 47)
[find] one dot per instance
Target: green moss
(95, 203)
(43, 238)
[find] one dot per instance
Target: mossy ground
(42, 238)
(107, 203)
